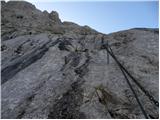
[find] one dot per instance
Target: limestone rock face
(54, 69)
(55, 17)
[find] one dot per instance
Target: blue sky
(106, 16)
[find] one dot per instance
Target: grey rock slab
(54, 69)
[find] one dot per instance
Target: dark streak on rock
(68, 106)
(21, 114)
(116, 115)
(24, 107)
(24, 61)
(3, 47)
(74, 58)
(83, 69)
(64, 43)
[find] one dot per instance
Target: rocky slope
(54, 69)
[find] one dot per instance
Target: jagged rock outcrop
(54, 69)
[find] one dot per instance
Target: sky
(106, 16)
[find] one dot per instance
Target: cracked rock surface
(54, 69)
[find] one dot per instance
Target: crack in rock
(68, 106)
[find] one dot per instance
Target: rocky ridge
(54, 69)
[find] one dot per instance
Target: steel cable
(124, 71)
(151, 98)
